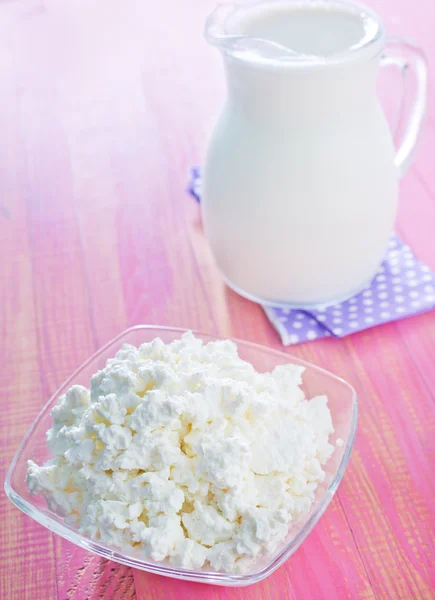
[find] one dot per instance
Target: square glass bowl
(342, 403)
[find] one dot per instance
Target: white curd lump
(185, 452)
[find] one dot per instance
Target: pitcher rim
(370, 46)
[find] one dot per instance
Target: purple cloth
(194, 187)
(402, 287)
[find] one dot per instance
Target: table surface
(104, 106)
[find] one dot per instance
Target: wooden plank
(21, 386)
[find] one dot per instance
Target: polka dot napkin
(402, 287)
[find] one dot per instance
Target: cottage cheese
(187, 453)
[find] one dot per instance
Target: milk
(319, 30)
(300, 183)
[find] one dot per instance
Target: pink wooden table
(104, 105)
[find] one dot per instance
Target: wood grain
(104, 106)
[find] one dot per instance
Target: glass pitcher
(301, 175)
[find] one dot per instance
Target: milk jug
(301, 176)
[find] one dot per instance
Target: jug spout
(295, 31)
(224, 30)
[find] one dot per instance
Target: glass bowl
(342, 403)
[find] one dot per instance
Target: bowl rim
(211, 577)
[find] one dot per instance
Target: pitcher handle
(413, 66)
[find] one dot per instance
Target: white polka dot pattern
(402, 287)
